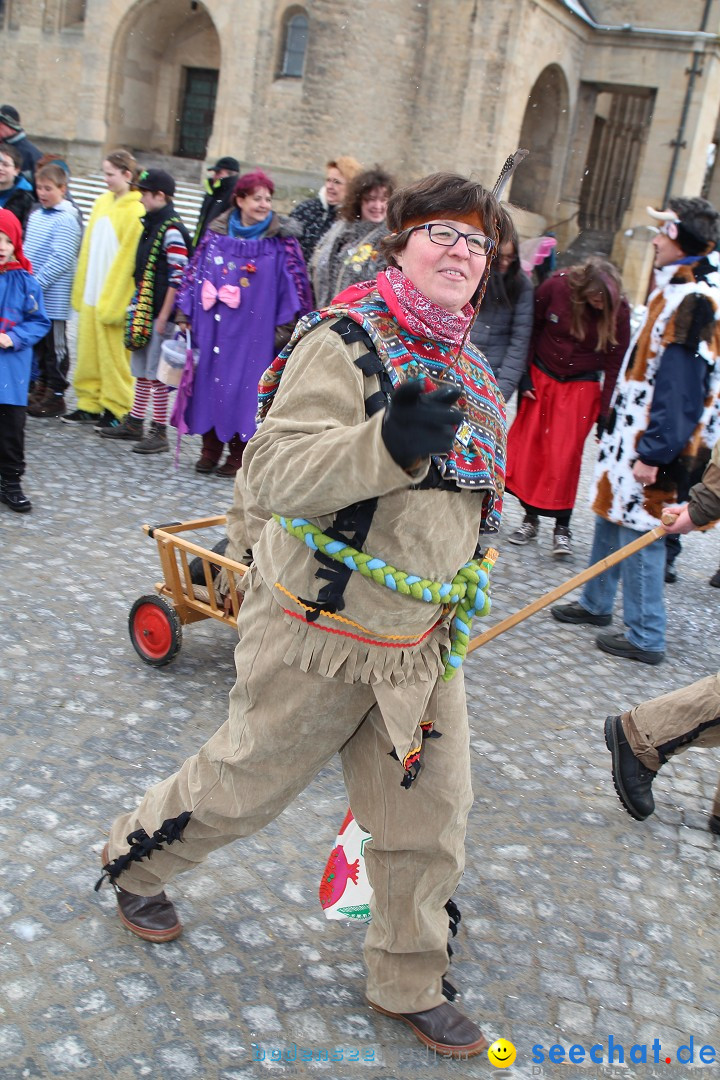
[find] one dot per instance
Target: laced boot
(156, 442)
(13, 495)
(561, 542)
(632, 780)
(152, 918)
(128, 428)
(526, 532)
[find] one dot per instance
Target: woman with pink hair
(243, 291)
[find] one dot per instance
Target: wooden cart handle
(579, 579)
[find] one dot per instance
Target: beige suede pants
(283, 727)
(664, 726)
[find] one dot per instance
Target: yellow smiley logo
(501, 1054)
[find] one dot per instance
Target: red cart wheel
(155, 630)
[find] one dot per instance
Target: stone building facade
(617, 101)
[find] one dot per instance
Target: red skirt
(546, 440)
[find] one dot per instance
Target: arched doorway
(536, 186)
(163, 83)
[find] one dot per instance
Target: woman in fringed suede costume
(381, 458)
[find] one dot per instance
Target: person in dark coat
(219, 187)
(504, 324)
(316, 215)
(16, 193)
(11, 132)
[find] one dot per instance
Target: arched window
(294, 45)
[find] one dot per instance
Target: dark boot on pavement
(154, 443)
(444, 1029)
(205, 464)
(12, 494)
(576, 613)
(632, 780)
(618, 645)
(526, 532)
(48, 405)
(561, 542)
(82, 418)
(233, 461)
(228, 468)
(152, 918)
(36, 391)
(130, 428)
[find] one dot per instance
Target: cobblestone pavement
(578, 923)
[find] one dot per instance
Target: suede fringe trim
(329, 654)
(142, 846)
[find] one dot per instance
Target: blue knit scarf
(247, 232)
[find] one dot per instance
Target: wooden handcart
(187, 592)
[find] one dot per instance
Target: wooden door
(197, 111)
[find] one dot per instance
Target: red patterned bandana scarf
(415, 313)
(401, 339)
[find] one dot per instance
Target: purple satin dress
(234, 327)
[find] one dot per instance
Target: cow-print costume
(684, 309)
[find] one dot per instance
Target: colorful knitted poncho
(477, 460)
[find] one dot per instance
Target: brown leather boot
(128, 428)
(444, 1029)
(47, 405)
(152, 918)
(205, 464)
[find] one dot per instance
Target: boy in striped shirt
(52, 242)
(162, 256)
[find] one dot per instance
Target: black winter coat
(316, 219)
(502, 333)
(21, 203)
(216, 202)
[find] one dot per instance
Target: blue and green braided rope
(468, 590)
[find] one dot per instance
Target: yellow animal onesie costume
(102, 290)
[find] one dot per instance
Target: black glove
(601, 426)
(525, 383)
(417, 424)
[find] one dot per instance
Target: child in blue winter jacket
(23, 323)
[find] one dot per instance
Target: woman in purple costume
(243, 292)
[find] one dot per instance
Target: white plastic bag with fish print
(344, 889)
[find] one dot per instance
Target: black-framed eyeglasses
(446, 236)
